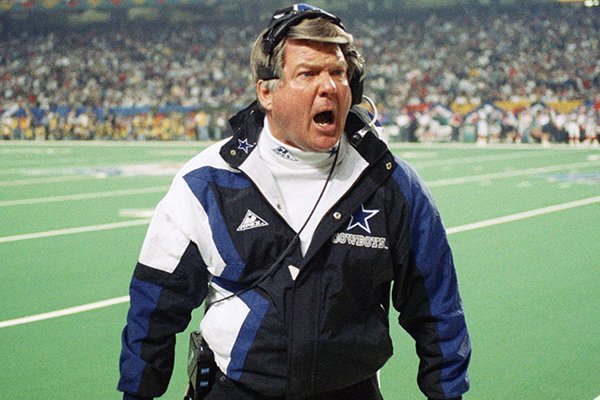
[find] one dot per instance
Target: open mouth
(324, 118)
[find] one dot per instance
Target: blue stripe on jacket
(199, 182)
(132, 366)
(429, 245)
(258, 308)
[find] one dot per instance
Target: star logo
(244, 145)
(361, 219)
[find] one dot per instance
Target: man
(295, 232)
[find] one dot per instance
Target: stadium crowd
(434, 77)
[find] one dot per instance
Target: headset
(281, 22)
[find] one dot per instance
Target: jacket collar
(246, 125)
(244, 128)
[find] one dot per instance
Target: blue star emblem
(361, 219)
(244, 145)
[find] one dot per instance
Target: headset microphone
(371, 124)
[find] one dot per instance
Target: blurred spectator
(62, 84)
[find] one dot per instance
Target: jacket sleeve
(426, 294)
(169, 281)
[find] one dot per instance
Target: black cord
(292, 243)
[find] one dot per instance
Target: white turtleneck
(301, 175)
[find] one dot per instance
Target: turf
(529, 287)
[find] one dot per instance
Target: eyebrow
(310, 65)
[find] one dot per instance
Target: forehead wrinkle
(310, 47)
(309, 63)
(315, 65)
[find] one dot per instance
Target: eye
(339, 73)
(307, 73)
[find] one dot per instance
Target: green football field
(523, 221)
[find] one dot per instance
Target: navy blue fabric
(147, 296)
(258, 308)
(199, 182)
(433, 258)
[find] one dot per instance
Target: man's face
(308, 108)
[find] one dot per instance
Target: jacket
(218, 229)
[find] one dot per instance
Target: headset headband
(281, 22)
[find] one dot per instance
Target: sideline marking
(137, 213)
(157, 189)
(65, 311)
(508, 174)
(418, 163)
(449, 231)
(523, 215)
(50, 179)
(70, 231)
(83, 196)
(105, 143)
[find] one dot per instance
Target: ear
(264, 95)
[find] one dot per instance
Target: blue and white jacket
(381, 246)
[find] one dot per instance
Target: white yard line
(490, 146)
(45, 180)
(126, 192)
(101, 143)
(71, 231)
(523, 215)
(510, 174)
(124, 299)
(65, 311)
(420, 163)
(67, 165)
(83, 196)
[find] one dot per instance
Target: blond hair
(315, 29)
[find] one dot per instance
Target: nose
(327, 85)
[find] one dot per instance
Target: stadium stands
(434, 75)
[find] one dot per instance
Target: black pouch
(202, 368)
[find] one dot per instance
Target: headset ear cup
(356, 86)
(358, 76)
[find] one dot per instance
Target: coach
(301, 233)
